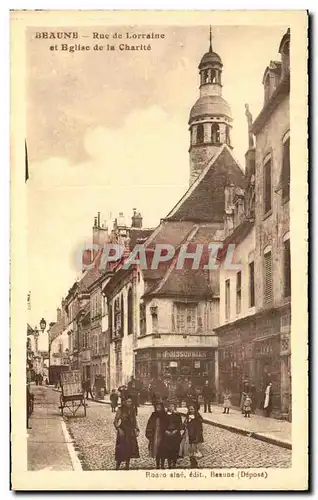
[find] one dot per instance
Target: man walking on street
(207, 394)
(88, 388)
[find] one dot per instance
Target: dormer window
(267, 88)
(285, 58)
(284, 52)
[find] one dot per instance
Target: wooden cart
(72, 397)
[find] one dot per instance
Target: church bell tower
(210, 120)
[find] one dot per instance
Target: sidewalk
(49, 444)
(270, 430)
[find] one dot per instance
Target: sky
(108, 131)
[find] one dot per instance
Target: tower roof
(210, 57)
(210, 105)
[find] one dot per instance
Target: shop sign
(182, 354)
(173, 364)
(197, 364)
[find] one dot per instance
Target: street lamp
(42, 324)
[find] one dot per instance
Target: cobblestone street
(95, 436)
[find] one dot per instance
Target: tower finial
(210, 48)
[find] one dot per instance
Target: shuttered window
(252, 284)
(268, 278)
(110, 321)
(286, 171)
(142, 319)
(267, 186)
(227, 299)
(238, 292)
(130, 311)
(287, 279)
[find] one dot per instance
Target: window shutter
(287, 276)
(227, 299)
(267, 186)
(238, 292)
(268, 278)
(286, 170)
(252, 284)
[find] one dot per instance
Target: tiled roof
(89, 277)
(137, 236)
(204, 201)
(188, 282)
(56, 330)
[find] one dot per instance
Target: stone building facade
(254, 340)
(272, 218)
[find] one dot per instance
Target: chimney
(100, 232)
(136, 220)
(121, 220)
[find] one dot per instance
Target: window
(142, 319)
(227, 135)
(227, 299)
(130, 311)
(110, 321)
(215, 133)
(267, 186)
(122, 314)
(268, 278)
(252, 284)
(238, 292)
(200, 134)
(186, 318)
(287, 277)
(118, 317)
(86, 340)
(286, 171)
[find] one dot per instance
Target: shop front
(187, 364)
(250, 351)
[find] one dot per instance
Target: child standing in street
(247, 406)
(227, 401)
(113, 400)
(192, 439)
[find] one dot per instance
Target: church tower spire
(210, 48)
(210, 117)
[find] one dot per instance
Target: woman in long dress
(172, 436)
(192, 438)
(268, 400)
(127, 432)
(155, 432)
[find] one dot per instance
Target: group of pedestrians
(248, 402)
(169, 438)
